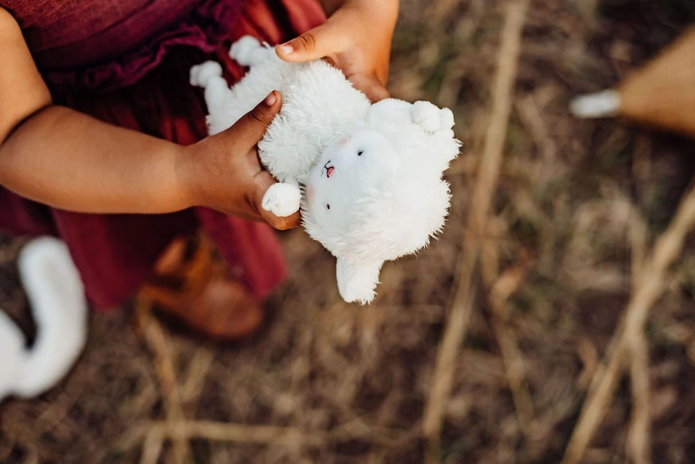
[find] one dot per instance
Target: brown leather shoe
(193, 287)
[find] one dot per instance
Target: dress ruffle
(205, 28)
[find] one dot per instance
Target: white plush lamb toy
(59, 306)
(371, 174)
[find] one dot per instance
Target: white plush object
(367, 177)
(57, 299)
(597, 105)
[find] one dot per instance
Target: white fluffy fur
(56, 295)
(372, 174)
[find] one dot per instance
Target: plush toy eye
(328, 206)
(359, 153)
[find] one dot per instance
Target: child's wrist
(188, 185)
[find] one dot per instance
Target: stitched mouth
(329, 169)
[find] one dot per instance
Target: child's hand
(223, 172)
(357, 39)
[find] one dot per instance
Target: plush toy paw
(431, 118)
(357, 281)
(282, 199)
(354, 292)
(248, 51)
(201, 74)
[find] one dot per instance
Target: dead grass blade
(218, 431)
(152, 447)
(513, 359)
(639, 433)
(197, 373)
(166, 374)
(665, 251)
(488, 173)
(186, 430)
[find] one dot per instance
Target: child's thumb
(251, 127)
(312, 45)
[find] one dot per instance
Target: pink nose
(329, 172)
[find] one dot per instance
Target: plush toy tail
(56, 295)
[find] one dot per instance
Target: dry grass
(476, 226)
(554, 319)
(628, 341)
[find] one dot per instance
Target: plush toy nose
(329, 172)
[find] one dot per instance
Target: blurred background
(510, 358)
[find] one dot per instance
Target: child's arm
(356, 38)
(68, 160)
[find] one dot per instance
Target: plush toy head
(354, 168)
(369, 200)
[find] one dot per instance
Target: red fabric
(105, 44)
(114, 253)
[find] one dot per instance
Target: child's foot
(196, 290)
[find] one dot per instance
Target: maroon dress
(126, 62)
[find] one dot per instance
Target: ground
(575, 206)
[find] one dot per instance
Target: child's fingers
(249, 130)
(314, 44)
(370, 86)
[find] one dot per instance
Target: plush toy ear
(356, 281)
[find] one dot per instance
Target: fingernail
(270, 99)
(286, 48)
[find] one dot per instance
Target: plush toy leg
(248, 51)
(357, 281)
(431, 118)
(208, 75)
(282, 199)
